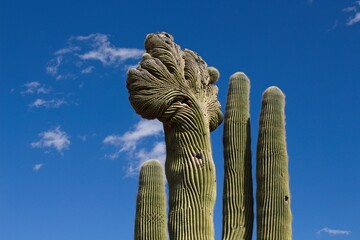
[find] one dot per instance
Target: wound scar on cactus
(198, 156)
(286, 199)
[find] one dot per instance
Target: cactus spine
(273, 192)
(238, 194)
(150, 219)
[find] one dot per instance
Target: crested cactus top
(171, 83)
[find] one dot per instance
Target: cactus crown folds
(169, 84)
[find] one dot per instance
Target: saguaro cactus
(273, 192)
(177, 87)
(238, 213)
(150, 219)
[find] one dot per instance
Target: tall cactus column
(177, 87)
(150, 219)
(273, 194)
(238, 213)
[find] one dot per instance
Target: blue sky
(71, 144)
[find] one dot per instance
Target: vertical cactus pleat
(238, 213)
(150, 219)
(273, 193)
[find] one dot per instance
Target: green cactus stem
(273, 193)
(150, 220)
(238, 213)
(177, 87)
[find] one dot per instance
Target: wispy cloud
(82, 51)
(34, 88)
(88, 70)
(66, 50)
(129, 140)
(355, 11)
(350, 9)
(132, 143)
(333, 232)
(54, 65)
(354, 19)
(102, 50)
(53, 138)
(37, 167)
(52, 103)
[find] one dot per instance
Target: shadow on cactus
(177, 87)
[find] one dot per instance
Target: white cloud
(158, 151)
(69, 49)
(129, 140)
(52, 103)
(132, 143)
(53, 138)
(355, 10)
(34, 87)
(81, 51)
(333, 232)
(102, 50)
(354, 19)
(37, 167)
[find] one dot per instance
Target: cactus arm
(238, 213)
(273, 193)
(177, 87)
(150, 219)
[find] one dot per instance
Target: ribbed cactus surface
(177, 87)
(150, 219)
(238, 192)
(273, 194)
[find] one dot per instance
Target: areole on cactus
(177, 87)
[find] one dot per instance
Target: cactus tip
(239, 76)
(146, 56)
(274, 90)
(214, 74)
(151, 162)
